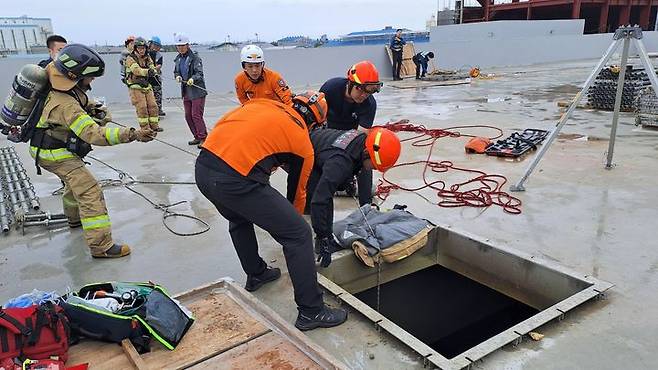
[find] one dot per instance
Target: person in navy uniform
(397, 45)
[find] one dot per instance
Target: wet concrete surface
(595, 221)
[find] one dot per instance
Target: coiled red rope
(482, 190)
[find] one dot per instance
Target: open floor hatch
(459, 298)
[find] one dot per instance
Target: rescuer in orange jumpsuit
(256, 81)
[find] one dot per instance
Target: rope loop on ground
(127, 180)
(481, 191)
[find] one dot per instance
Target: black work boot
(326, 318)
(254, 282)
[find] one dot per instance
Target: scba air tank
(29, 84)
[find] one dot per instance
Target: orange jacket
(263, 134)
(270, 85)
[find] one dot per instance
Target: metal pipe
(44, 215)
(620, 89)
(46, 222)
(25, 182)
(4, 217)
(18, 189)
(11, 189)
(19, 176)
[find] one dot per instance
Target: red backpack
(37, 332)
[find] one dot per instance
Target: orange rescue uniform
(270, 85)
(261, 135)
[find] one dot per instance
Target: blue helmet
(156, 40)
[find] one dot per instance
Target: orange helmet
(312, 105)
(383, 147)
(365, 74)
(474, 72)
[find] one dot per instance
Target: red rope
(482, 190)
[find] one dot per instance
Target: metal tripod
(625, 35)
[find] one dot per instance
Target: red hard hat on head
(364, 73)
(383, 147)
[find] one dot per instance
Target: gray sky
(205, 20)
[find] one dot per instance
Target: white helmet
(180, 39)
(251, 54)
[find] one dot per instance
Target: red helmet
(383, 147)
(311, 102)
(365, 73)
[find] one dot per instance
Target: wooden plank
(99, 355)
(220, 325)
(270, 351)
(132, 355)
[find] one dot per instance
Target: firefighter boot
(115, 251)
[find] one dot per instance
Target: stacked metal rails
(647, 108)
(18, 202)
(602, 94)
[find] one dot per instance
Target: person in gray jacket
(188, 71)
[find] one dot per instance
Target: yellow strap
(51, 154)
(96, 222)
(154, 119)
(42, 123)
(378, 136)
(112, 135)
(83, 121)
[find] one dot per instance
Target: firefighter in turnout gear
(64, 135)
(139, 68)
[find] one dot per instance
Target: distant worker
(339, 155)
(233, 172)
(397, 46)
(156, 81)
(129, 44)
(420, 60)
(63, 137)
(188, 71)
(256, 81)
(139, 68)
(55, 43)
(352, 106)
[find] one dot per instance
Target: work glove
(152, 72)
(143, 134)
(101, 115)
(179, 79)
(324, 247)
(190, 82)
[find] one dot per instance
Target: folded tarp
(397, 234)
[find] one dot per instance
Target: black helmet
(77, 61)
(140, 41)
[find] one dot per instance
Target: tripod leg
(544, 148)
(648, 67)
(620, 90)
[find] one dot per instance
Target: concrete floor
(594, 221)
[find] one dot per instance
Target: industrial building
(600, 16)
(19, 35)
(376, 37)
